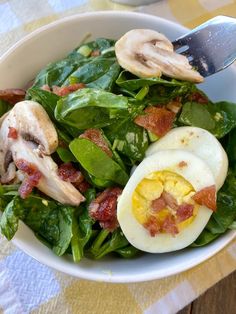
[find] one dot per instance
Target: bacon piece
(206, 197)
(65, 90)
(68, 173)
(82, 186)
(153, 226)
(12, 133)
(158, 204)
(32, 180)
(12, 95)
(184, 212)
(170, 200)
(95, 136)
(157, 120)
(95, 53)
(169, 225)
(198, 97)
(182, 164)
(103, 208)
(46, 88)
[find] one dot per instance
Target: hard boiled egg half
(171, 195)
(201, 143)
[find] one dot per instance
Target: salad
(114, 149)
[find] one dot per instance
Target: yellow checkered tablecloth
(26, 286)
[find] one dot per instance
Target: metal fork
(210, 47)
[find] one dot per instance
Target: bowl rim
(102, 276)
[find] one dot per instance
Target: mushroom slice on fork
(147, 53)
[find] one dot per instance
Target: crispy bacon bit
(198, 97)
(32, 179)
(153, 226)
(157, 120)
(12, 95)
(95, 136)
(46, 88)
(103, 208)
(12, 133)
(68, 173)
(184, 212)
(182, 164)
(206, 197)
(95, 53)
(158, 204)
(82, 186)
(65, 90)
(169, 225)
(170, 200)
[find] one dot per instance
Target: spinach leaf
(230, 146)
(233, 226)
(57, 72)
(65, 155)
(128, 138)
(96, 162)
(49, 101)
(205, 238)
(98, 183)
(101, 44)
(208, 116)
(82, 228)
(128, 252)
(51, 221)
(107, 242)
(99, 72)
(10, 218)
(227, 106)
(46, 99)
(90, 108)
(4, 107)
(65, 217)
(130, 82)
(76, 248)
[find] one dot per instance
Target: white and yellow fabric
(27, 286)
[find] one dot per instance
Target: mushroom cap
(147, 53)
(34, 124)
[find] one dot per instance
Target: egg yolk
(162, 203)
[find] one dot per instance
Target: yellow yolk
(151, 188)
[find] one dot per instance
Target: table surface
(221, 298)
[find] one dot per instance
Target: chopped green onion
(108, 50)
(152, 137)
(84, 50)
(73, 80)
(142, 93)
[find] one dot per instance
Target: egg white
(200, 142)
(196, 172)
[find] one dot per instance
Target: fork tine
(212, 45)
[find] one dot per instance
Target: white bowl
(20, 64)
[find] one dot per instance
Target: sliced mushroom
(35, 126)
(147, 53)
(36, 139)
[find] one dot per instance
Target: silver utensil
(210, 47)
